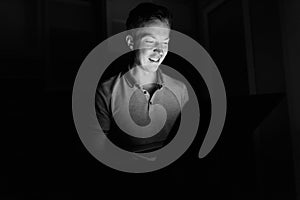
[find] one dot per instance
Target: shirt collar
(132, 82)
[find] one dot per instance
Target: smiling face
(151, 42)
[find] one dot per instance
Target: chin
(153, 68)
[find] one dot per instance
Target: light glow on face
(152, 45)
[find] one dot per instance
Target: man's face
(151, 42)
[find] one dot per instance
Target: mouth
(154, 60)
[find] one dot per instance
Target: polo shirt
(140, 118)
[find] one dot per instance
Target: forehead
(156, 29)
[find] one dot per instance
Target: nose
(159, 50)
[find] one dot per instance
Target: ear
(129, 41)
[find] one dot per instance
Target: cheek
(166, 49)
(165, 54)
(142, 58)
(145, 53)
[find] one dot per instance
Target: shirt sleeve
(102, 106)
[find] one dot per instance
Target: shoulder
(173, 83)
(107, 86)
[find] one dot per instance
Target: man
(140, 110)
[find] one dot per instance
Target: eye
(149, 42)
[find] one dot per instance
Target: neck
(143, 77)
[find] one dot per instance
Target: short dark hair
(147, 12)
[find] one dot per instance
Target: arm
(102, 106)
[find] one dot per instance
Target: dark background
(255, 46)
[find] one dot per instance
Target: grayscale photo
(161, 99)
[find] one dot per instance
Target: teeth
(154, 59)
